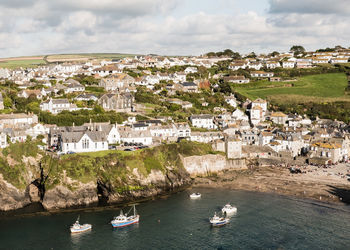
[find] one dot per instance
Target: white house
(231, 100)
(256, 65)
(289, 64)
(179, 77)
(237, 66)
(139, 137)
(279, 118)
(163, 131)
(261, 103)
(18, 119)
(265, 138)
(206, 137)
(203, 121)
(73, 86)
(191, 70)
(256, 115)
(3, 140)
(272, 64)
(56, 106)
(236, 79)
(182, 130)
(86, 97)
(239, 115)
(261, 74)
(339, 60)
(87, 141)
(36, 129)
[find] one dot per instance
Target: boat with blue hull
(218, 221)
(123, 220)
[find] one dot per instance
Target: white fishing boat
(228, 209)
(195, 196)
(218, 221)
(77, 228)
(123, 220)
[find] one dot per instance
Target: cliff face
(131, 186)
(104, 178)
(12, 198)
(96, 178)
(207, 164)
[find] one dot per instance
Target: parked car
(129, 149)
(70, 152)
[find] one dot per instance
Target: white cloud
(154, 26)
(310, 6)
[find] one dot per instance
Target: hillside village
(145, 101)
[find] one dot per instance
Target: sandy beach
(323, 184)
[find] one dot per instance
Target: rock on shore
(12, 198)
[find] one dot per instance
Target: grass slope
(316, 88)
(24, 63)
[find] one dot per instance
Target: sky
(170, 27)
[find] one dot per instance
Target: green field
(12, 64)
(315, 88)
(27, 62)
(86, 56)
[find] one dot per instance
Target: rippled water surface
(263, 221)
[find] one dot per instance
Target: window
(95, 144)
(85, 143)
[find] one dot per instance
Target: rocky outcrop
(34, 193)
(72, 193)
(61, 197)
(207, 164)
(12, 198)
(156, 183)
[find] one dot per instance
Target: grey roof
(189, 84)
(202, 116)
(71, 137)
(86, 96)
(60, 101)
(72, 81)
(139, 125)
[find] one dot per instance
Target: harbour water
(263, 221)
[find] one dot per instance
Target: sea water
(263, 221)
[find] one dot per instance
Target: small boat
(218, 221)
(77, 228)
(228, 209)
(195, 196)
(123, 220)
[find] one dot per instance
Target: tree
(7, 102)
(251, 55)
(275, 53)
(98, 109)
(297, 50)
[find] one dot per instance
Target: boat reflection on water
(126, 229)
(78, 238)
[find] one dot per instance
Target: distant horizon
(145, 54)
